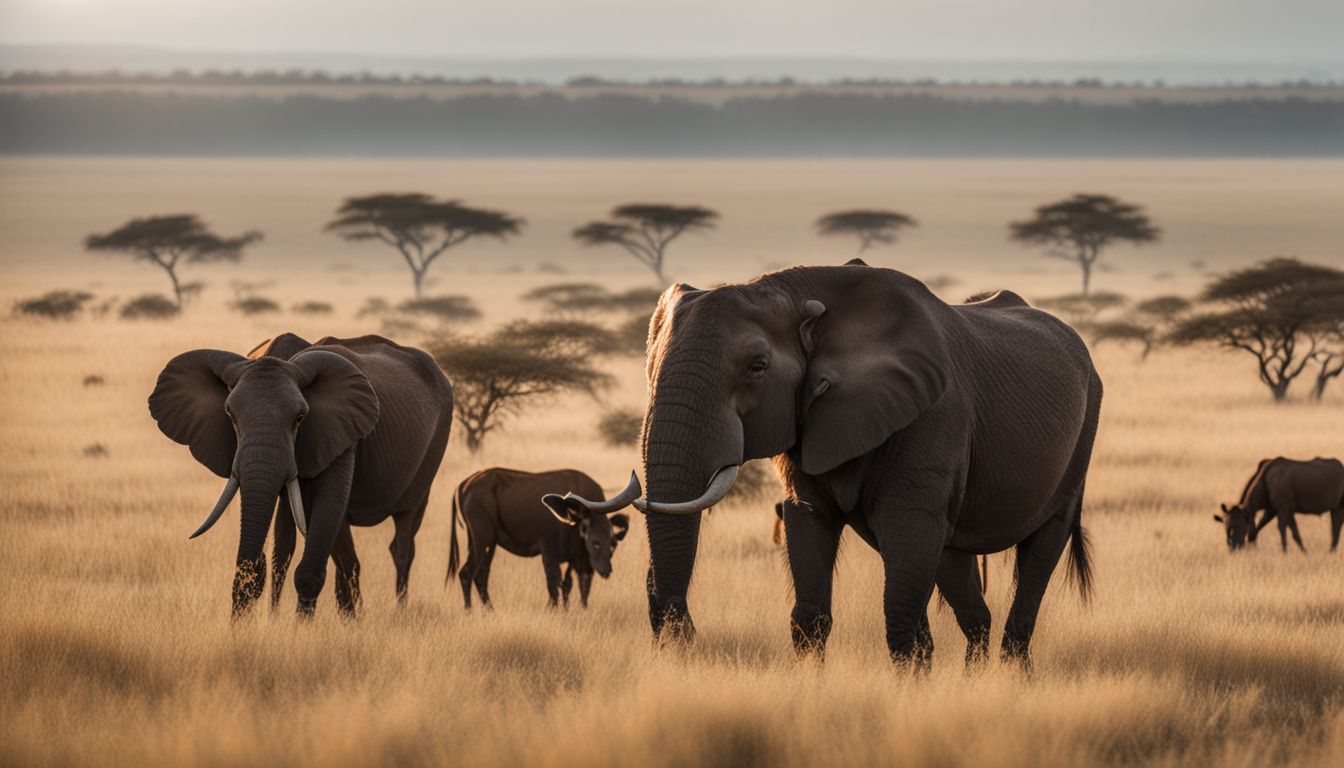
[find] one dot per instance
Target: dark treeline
(808, 124)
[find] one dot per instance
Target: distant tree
(150, 306)
(593, 298)
(644, 230)
(621, 426)
(1283, 312)
(1079, 228)
(870, 227)
(54, 305)
(168, 241)
(448, 309)
(1149, 322)
(1081, 309)
(522, 362)
(255, 305)
(418, 226)
(313, 308)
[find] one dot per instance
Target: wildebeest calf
(1284, 488)
(524, 513)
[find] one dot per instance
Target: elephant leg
(1292, 527)
(910, 539)
(330, 496)
(959, 582)
(1336, 523)
(585, 586)
(282, 548)
(1037, 556)
(812, 541)
(551, 565)
(403, 546)
(347, 572)
(567, 584)
(1255, 529)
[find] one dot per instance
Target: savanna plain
(116, 645)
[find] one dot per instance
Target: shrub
(313, 308)
(151, 306)
(620, 426)
(94, 380)
(447, 309)
(255, 305)
(54, 305)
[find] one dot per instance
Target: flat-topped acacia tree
(644, 230)
(1078, 228)
(869, 226)
(420, 227)
(169, 241)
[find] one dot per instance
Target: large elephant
(343, 432)
(936, 432)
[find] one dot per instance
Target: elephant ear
(342, 409)
(876, 363)
(284, 346)
(188, 404)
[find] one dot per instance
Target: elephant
(1285, 488)
(523, 513)
(936, 432)
(344, 432)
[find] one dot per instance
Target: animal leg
(1255, 529)
(910, 539)
(959, 583)
(1037, 556)
(347, 572)
(482, 574)
(329, 500)
(585, 586)
(1336, 523)
(567, 584)
(282, 548)
(552, 567)
(812, 540)
(402, 547)
(1297, 537)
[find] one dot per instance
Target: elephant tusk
(230, 490)
(719, 485)
(296, 505)
(620, 501)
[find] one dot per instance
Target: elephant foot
(672, 623)
(810, 633)
(306, 607)
(1016, 652)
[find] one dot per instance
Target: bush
(631, 337)
(620, 426)
(374, 305)
(255, 305)
(94, 380)
(313, 308)
(447, 309)
(54, 305)
(151, 306)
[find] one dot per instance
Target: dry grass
(115, 642)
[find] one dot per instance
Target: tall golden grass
(116, 644)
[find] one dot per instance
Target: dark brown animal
(523, 513)
(1285, 488)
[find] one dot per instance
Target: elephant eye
(758, 367)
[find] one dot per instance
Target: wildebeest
(1284, 488)
(524, 513)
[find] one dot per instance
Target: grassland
(115, 642)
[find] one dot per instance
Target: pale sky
(1263, 30)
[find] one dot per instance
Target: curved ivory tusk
(621, 500)
(230, 490)
(719, 485)
(296, 505)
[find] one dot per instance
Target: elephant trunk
(261, 482)
(685, 444)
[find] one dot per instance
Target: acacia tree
(1077, 229)
(644, 230)
(496, 374)
(1149, 322)
(169, 241)
(418, 226)
(1282, 312)
(871, 227)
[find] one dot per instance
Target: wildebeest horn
(719, 485)
(230, 490)
(296, 505)
(620, 501)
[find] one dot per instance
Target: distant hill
(561, 69)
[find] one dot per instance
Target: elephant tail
(453, 556)
(1080, 555)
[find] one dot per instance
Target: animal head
(1237, 522)
(599, 532)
